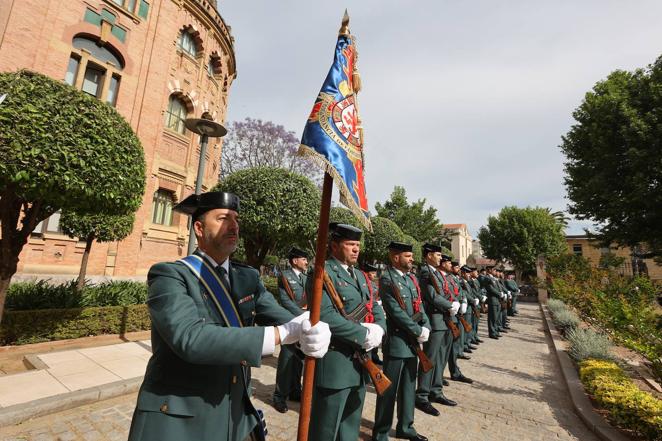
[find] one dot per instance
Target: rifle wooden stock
(476, 311)
(447, 315)
(379, 380)
(465, 324)
(426, 364)
(483, 308)
(288, 288)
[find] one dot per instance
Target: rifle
(476, 311)
(465, 324)
(290, 293)
(447, 315)
(379, 379)
(426, 364)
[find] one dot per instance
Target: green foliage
(103, 227)
(586, 343)
(383, 232)
(278, 209)
(25, 327)
(628, 406)
(555, 305)
(66, 149)
(613, 167)
(413, 218)
(417, 248)
(568, 263)
(520, 235)
(566, 320)
(271, 283)
(345, 216)
(42, 295)
(611, 260)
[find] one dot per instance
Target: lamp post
(205, 128)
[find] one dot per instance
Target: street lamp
(205, 128)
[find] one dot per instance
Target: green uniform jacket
(298, 289)
(338, 369)
(436, 303)
(197, 382)
(492, 288)
(402, 330)
(511, 285)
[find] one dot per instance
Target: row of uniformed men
(419, 309)
(212, 320)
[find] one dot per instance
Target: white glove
(483, 299)
(476, 302)
(510, 296)
(425, 334)
(455, 307)
(374, 336)
(315, 339)
(463, 308)
(502, 295)
(290, 332)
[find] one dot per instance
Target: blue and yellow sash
(219, 292)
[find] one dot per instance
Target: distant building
(477, 249)
(593, 251)
(461, 241)
(157, 62)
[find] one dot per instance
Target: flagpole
(314, 305)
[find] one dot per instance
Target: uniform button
(253, 312)
(163, 408)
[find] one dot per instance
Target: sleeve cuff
(269, 342)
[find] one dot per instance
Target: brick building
(158, 62)
(593, 251)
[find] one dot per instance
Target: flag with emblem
(333, 137)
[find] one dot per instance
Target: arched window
(95, 69)
(176, 114)
(162, 207)
(187, 43)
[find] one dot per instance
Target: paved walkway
(518, 395)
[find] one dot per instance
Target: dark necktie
(224, 277)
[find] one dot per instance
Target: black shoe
(468, 350)
(479, 341)
(464, 357)
(473, 347)
(463, 379)
(506, 327)
(503, 331)
(417, 437)
(281, 407)
(427, 408)
(445, 382)
(445, 401)
(494, 337)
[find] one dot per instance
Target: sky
(464, 103)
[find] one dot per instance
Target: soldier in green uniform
(457, 350)
(407, 328)
(493, 291)
(204, 340)
(481, 297)
(291, 293)
(513, 289)
(439, 301)
(339, 389)
(465, 286)
(371, 271)
(505, 297)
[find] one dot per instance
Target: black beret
(197, 204)
(368, 268)
(465, 269)
(431, 248)
(400, 247)
(455, 263)
(296, 252)
(446, 258)
(344, 231)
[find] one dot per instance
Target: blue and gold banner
(332, 136)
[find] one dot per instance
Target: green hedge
(628, 406)
(24, 327)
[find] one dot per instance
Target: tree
(613, 168)
(60, 149)
(256, 143)
(383, 232)
(414, 219)
(91, 227)
(278, 209)
(520, 235)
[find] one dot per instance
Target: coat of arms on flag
(333, 136)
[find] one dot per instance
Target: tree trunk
(80, 284)
(518, 276)
(4, 285)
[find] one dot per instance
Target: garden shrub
(555, 305)
(628, 406)
(566, 320)
(586, 343)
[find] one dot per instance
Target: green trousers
(336, 414)
(437, 348)
(288, 374)
(402, 373)
(493, 315)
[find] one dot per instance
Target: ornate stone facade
(157, 62)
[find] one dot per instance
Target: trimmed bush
(24, 327)
(566, 320)
(555, 305)
(271, 283)
(586, 343)
(115, 293)
(628, 406)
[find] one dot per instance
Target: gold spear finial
(344, 28)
